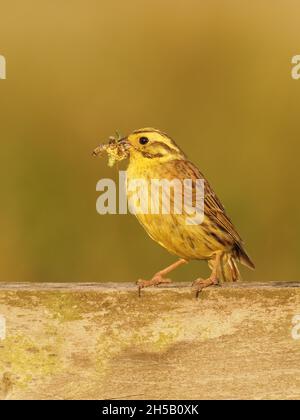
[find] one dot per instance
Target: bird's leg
(159, 278)
(213, 280)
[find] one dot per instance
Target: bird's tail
(241, 255)
(228, 270)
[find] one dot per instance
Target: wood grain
(86, 341)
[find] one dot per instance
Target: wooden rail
(100, 341)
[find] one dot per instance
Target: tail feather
(241, 255)
(229, 270)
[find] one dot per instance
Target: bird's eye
(144, 140)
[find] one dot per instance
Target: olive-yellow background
(215, 75)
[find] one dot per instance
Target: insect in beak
(99, 150)
(124, 143)
(117, 149)
(120, 143)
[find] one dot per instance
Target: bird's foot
(155, 281)
(201, 284)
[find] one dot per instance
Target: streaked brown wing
(213, 207)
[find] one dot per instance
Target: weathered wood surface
(100, 341)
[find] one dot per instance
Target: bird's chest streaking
(165, 224)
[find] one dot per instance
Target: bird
(154, 155)
(6, 386)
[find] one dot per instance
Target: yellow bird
(153, 155)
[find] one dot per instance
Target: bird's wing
(213, 207)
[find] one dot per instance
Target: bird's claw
(155, 281)
(201, 284)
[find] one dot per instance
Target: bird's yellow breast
(170, 230)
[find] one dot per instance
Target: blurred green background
(215, 75)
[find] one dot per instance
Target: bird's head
(144, 144)
(149, 143)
